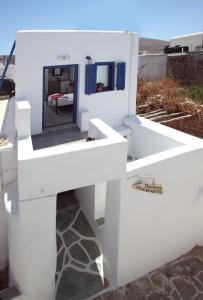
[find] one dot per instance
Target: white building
(152, 203)
(193, 41)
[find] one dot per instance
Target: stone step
(166, 122)
(142, 106)
(167, 117)
(160, 113)
(151, 112)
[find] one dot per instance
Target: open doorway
(79, 271)
(59, 95)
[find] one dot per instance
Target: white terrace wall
(152, 66)
(93, 200)
(36, 49)
(32, 251)
(95, 162)
(148, 229)
(3, 231)
(148, 138)
(8, 171)
(155, 229)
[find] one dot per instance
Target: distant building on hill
(193, 41)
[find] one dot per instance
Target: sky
(159, 19)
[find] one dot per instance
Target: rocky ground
(185, 116)
(167, 102)
(181, 279)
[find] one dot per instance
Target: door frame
(75, 91)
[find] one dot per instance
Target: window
(104, 77)
(100, 77)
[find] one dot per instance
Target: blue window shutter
(121, 75)
(90, 79)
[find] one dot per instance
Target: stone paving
(58, 135)
(181, 279)
(79, 261)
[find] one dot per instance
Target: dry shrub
(191, 108)
(166, 94)
(166, 87)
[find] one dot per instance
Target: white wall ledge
(158, 157)
(176, 135)
(95, 161)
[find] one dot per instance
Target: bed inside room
(59, 97)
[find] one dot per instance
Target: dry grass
(168, 94)
(167, 88)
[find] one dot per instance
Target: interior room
(59, 97)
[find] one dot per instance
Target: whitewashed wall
(96, 161)
(32, 247)
(3, 232)
(86, 198)
(159, 228)
(93, 200)
(147, 138)
(32, 242)
(145, 230)
(152, 66)
(100, 199)
(35, 49)
(8, 172)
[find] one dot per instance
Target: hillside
(147, 45)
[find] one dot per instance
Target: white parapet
(32, 248)
(41, 175)
(23, 118)
(96, 161)
(8, 169)
(144, 230)
(83, 119)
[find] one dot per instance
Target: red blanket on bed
(56, 96)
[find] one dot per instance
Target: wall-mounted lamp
(89, 59)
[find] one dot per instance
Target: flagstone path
(79, 263)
